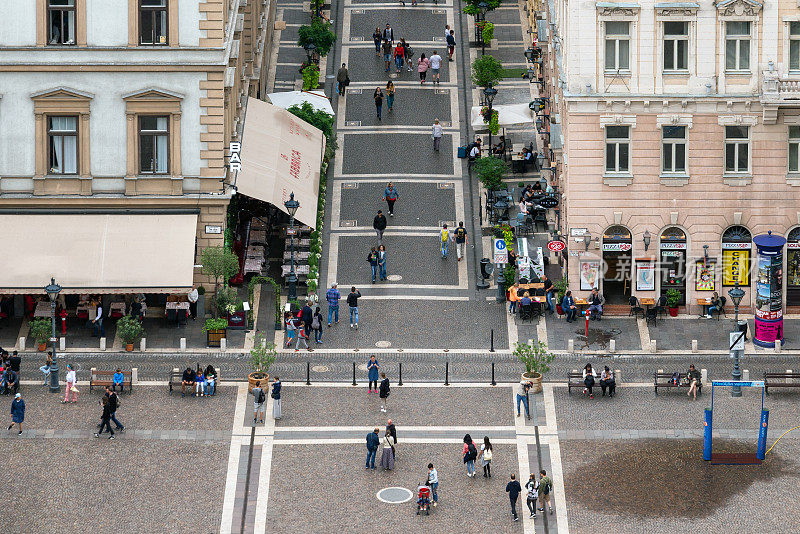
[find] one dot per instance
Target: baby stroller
(424, 500)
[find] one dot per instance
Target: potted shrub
(220, 264)
(536, 358)
(129, 330)
(561, 287)
(262, 356)
(40, 331)
(215, 330)
(673, 300)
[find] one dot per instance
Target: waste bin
(742, 327)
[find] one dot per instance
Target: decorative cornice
(677, 9)
(739, 8)
(627, 9)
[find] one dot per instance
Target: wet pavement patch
(657, 478)
(597, 337)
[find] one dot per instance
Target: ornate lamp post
(483, 7)
(490, 92)
(310, 48)
(736, 295)
(291, 206)
(52, 290)
(646, 239)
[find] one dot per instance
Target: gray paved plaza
(364, 66)
(623, 330)
(413, 25)
(418, 204)
(414, 108)
(385, 153)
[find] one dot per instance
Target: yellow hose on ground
(777, 440)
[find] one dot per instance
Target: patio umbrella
(507, 115)
(288, 99)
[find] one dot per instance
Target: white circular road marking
(394, 495)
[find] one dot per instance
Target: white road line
(524, 462)
(237, 440)
(368, 428)
(265, 468)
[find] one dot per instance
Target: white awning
(507, 115)
(98, 253)
(281, 154)
(287, 99)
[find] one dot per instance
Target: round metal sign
(556, 246)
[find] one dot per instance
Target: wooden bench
(666, 382)
(771, 380)
(106, 378)
(575, 380)
(176, 380)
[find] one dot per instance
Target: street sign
(548, 202)
(291, 231)
(500, 251)
(749, 384)
(556, 246)
(737, 340)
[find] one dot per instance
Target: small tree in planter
(129, 330)
(561, 285)
(220, 264)
(490, 171)
(40, 331)
(486, 71)
(262, 356)
(319, 34)
(673, 300)
(215, 330)
(536, 359)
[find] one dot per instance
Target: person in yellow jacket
(446, 237)
(513, 298)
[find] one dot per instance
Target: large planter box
(213, 337)
(238, 320)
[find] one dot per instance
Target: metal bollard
(491, 341)
(354, 373)
(447, 373)
(308, 373)
(493, 381)
(400, 380)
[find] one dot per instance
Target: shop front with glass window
(793, 267)
(672, 258)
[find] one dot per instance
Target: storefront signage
(736, 246)
(616, 247)
(589, 271)
(213, 229)
(548, 202)
(735, 267)
(578, 232)
(645, 276)
(796, 244)
(704, 276)
(673, 246)
(556, 246)
(235, 158)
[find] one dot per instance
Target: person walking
(486, 457)
(382, 263)
(291, 330)
(392, 430)
(333, 297)
(545, 489)
(433, 482)
(514, 489)
(384, 391)
(342, 79)
(45, 369)
(462, 240)
(390, 195)
(316, 325)
(352, 302)
(437, 134)
(372, 258)
(193, 296)
(470, 453)
(17, 413)
(532, 486)
(522, 397)
(72, 381)
(258, 403)
(105, 419)
(378, 96)
(372, 372)
(388, 34)
(373, 440)
(307, 315)
(301, 336)
(376, 38)
(399, 56)
(451, 44)
(445, 240)
(379, 224)
(409, 53)
(114, 403)
(387, 456)
(422, 68)
(436, 64)
(97, 322)
(389, 95)
(277, 409)
(387, 49)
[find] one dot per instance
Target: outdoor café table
(580, 303)
(538, 285)
(540, 300)
(648, 302)
(298, 255)
(517, 163)
(253, 265)
(43, 309)
(516, 148)
(172, 309)
(298, 270)
(116, 310)
(705, 303)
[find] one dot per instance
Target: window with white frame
(62, 133)
(737, 46)
(794, 148)
(737, 149)
(676, 46)
(153, 144)
(794, 45)
(673, 147)
(618, 139)
(618, 44)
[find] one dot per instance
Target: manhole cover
(320, 369)
(383, 344)
(394, 495)
(394, 277)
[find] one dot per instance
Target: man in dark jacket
(379, 224)
(188, 379)
(569, 307)
(15, 361)
(383, 392)
(343, 78)
(372, 447)
(307, 315)
(352, 302)
(113, 402)
(514, 489)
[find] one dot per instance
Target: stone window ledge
(793, 179)
(737, 180)
(674, 180)
(617, 180)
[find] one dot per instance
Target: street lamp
(52, 289)
(310, 48)
(646, 239)
(490, 92)
(587, 240)
(480, 17)
(736, 295)
(291, 207)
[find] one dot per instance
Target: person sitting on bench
(693, 376)
(189, 377)
(714, 306)
(588, 379)
(607, 381)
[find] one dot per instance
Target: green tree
(219, 263)
(486, 71)
(319, 33)
(535, 357)
(310, 77)
(318, 119)
(471, 6)
(487, 32)
(490, 171)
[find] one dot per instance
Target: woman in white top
(486, 457)
(387, 457)
(588, 379)
(72, 382)
(533, 490)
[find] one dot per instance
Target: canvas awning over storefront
(98, 252)
(281, 154)
(287, 99)
(507, 115)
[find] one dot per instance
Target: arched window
(794, 235)
(673, 234)
(617, 233)
(736, 245)
(737, 234)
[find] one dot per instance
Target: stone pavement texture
(410, 107)
(623, 330)
(386, 153)
(418, 204)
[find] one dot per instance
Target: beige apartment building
(680, 124)
(115, 124)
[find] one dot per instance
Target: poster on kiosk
(769, 290)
